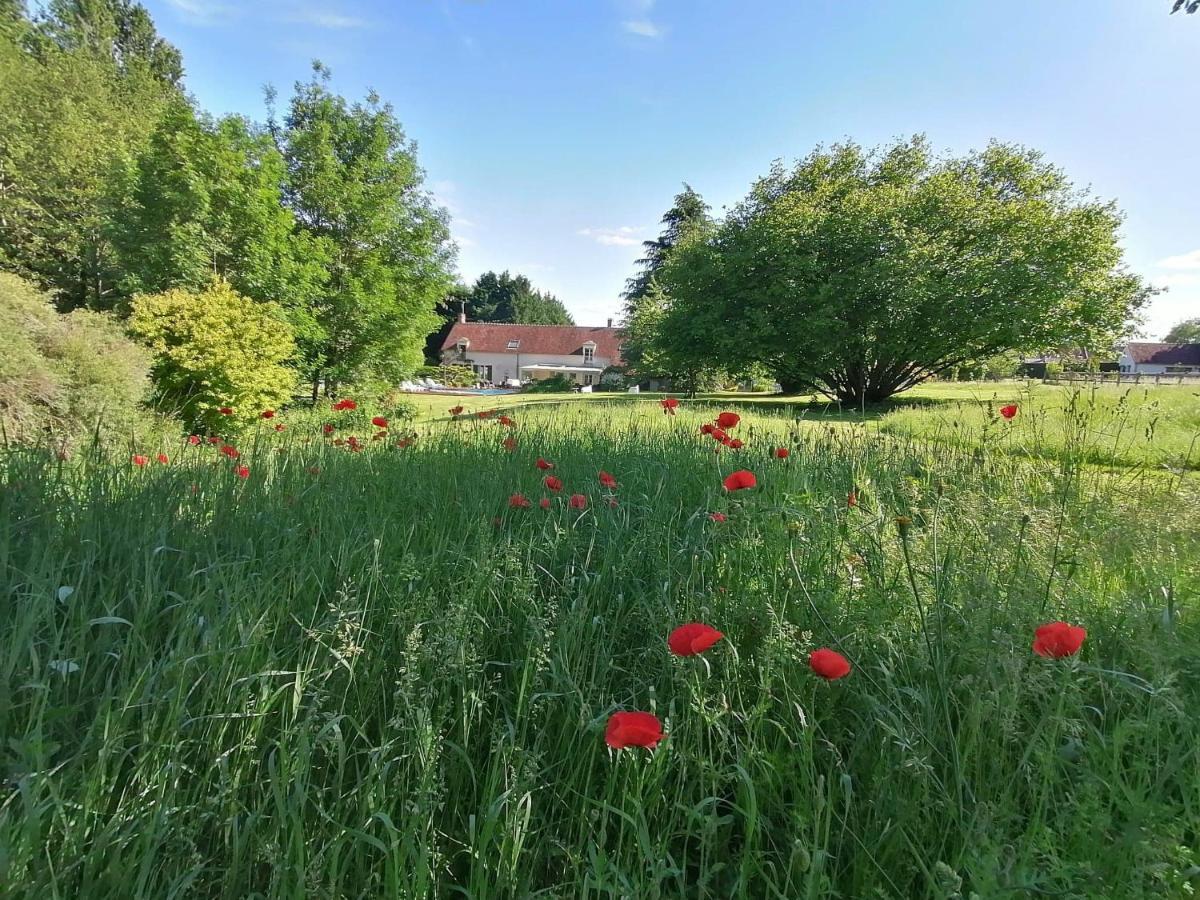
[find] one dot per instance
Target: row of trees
(114, 186)
(859, 274)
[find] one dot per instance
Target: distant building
(1146, 358)
(500, 353)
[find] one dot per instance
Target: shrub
(554, 385)
(65, 376)
(214, 349)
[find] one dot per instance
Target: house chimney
(610, 323)
(462, 317)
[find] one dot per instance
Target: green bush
(555, 385)
(214, 349)
(65, 376)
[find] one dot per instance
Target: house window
(587, 379)
(589, 354)
(514, 345)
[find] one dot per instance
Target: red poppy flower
(268, 413)
(852, 498)
(543, 464)
(279, 426)
(353, 442)
(139, 460)
(718, 434)
(607, 480)
(229, 451)
(485, 413)
(1008, 411)
(509, 444)
(214, 440)
(740, 480)
(506, 421)
(243, 472)
(163, 458)
(193, 439)
(1058, 639)
(829, 664)
(736, 444)
(519, 501)
(456, 410)
(578, 501)
(552, 483)
(706, 428)
(782, 452)
(379, 422)
(225, 411)
(346, 403)
(544, 503)
(692, 639)
(668, 405)
(633, 729)
(327, 428)
(717, 517)
(728, 419)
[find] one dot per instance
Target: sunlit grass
(363, 674)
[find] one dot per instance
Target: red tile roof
(556, 340)
(1164, 354)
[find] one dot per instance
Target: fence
(1120, 378)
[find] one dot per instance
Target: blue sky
(557, 131)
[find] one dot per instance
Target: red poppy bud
(829, 664)
(692, 639)
(1058, 639)
(163, 458)
(543, 464)
(782, 452)
(740, 480)
(633, 729)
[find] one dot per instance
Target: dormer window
(514, 345)
(463, 344)
(589, 353)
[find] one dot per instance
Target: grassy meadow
(367, 674)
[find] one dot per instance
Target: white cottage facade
(501, 353)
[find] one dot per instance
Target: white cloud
(642, 28)
(1183, 261)
(1177, 280)
(625, 236)
(326, 19)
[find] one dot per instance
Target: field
(367, 674)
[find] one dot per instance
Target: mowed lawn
(365, 674)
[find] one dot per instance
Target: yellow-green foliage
(216, 348)
(63, 376)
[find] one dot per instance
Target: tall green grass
(380, 680)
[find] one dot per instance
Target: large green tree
(355, 187)
(204, 200)
(1185, 332)
(509, 298)
(861, 274)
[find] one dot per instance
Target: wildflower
(829, 664)
(633, 729)
(379, 422)
(509, 444)
(782, 452)
(607, 480)
(544, 503)
(243, 472)
(327, 428)
(194, 439)
(736, 444)
(728, 420)
(578, 501)
(718, 517)
(519, 501)
(214, 440)
(163, 458)
(456, 411)
(706, 428)
(279, 426)
(552, 483)
(268, 413)
(852, 499)
(485, 413)
(1008, 411)
(543, 464)
(740, 480)
(139, 460)
(225, 411)
(346, 403)
(1058, 639)
(506, 421)
(692, 639)
(718, 434)
(669, 404)
(230, 451)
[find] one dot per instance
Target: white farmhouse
(1145, 358)
(500, 353)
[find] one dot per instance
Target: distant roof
(558, 340)
(1164, 354)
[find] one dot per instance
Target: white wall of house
(1126, 364)
(505, 365)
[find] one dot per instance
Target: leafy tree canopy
(1185, 332)
(508, 298)
(861, 274)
